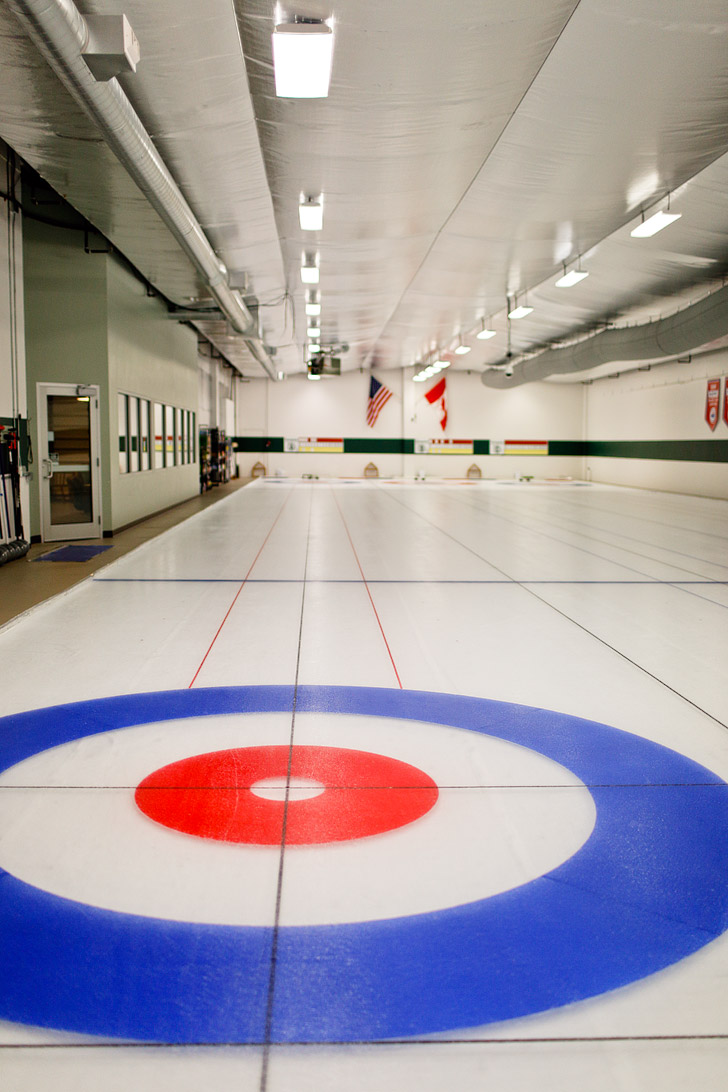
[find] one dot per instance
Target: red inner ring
(210, 796)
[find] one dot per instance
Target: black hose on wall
(10, 476)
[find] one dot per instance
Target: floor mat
(73, 553)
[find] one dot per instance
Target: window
(182, 446)
(153, 436)
(169, 430)
(133, 432)
(145, 429)
(158, 436)
(123, 433)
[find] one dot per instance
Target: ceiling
(467, 154)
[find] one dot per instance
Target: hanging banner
(308, 445)
(725, 402)
(443, 447)
(712, 403)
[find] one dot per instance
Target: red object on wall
(438, 394)
(712, 403)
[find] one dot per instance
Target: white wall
(217, 390)
(665, 403)
(297, 407)
(154, 358)
(89, 320)
(534, 411)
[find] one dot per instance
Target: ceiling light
(313, 309)
(570, 279)
(443, 364)
(520, 312)
(485, 333)
(302, 58)
(314, 331)
(654, 223)
(311, 214)
(313, 348)
(310, 274)
(461, 349)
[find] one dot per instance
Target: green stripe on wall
(257, 443)
(377, 446)
(706, 451)
(698, 451)
(568, 447)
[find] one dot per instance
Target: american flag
(379, 395)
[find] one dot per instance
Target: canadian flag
(437, 394)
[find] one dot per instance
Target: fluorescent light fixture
(313, 309)
(520, 312)
(570, 279)
(485, 334)
(313, 348)
(654, 223)
(310, 274)
(461, 349)
(302, 59)
(314, 331)
(311, 214)
(443, 364)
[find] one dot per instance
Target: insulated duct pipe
(60, 32)
(697, 325)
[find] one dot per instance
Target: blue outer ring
(648, 887)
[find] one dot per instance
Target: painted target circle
(213, 795)
(646, 889)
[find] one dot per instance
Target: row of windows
(152, 435)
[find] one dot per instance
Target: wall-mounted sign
(518, 447)
(712, 403)
(443, 447)
(307, 445)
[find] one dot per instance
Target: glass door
(69, 461)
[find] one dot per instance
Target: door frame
(68, 531)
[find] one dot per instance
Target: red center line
(376, 615)
(245, 578)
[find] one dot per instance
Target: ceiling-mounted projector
(324, 364)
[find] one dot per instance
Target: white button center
(274, 788)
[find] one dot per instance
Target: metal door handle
(47, 469)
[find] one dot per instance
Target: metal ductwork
(699, 324)
(61, 34)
